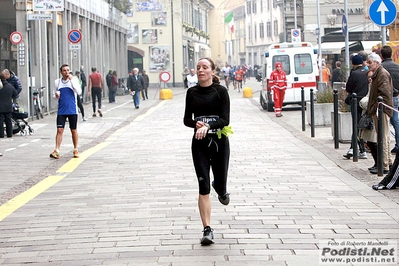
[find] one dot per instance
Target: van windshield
(303, 64)
(284, 60)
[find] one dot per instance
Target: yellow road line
(18, 201)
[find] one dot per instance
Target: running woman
(208, 111)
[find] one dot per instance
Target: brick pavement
(133, 200)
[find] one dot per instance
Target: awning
(332, 47)
(368, 45)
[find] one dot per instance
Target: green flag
(230, 20)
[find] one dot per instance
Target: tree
(122, 5)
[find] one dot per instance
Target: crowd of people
(372, 76)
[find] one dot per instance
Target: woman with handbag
(369, 135)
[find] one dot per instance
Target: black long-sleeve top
(358, 82)
(7, 93)
(207, 101)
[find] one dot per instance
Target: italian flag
(230, 20)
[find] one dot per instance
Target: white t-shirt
(192, 80)
(226, 71)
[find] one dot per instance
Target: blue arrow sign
(344, 25)
(382, 12)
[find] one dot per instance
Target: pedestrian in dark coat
(381, 85)
(7, 93)
(135, 83)
(146, 84)
(357, 83)
(83, 80)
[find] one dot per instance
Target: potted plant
(344, 115)
(323, 107)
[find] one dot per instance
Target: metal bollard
(336, 137)
(303, 107)
(311, 113)
(354, 128)
(380, 134)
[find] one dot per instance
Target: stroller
(19, 124)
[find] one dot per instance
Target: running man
(226, 73)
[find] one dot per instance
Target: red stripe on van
(305, 84)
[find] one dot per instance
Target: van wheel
(270, 102)
(262, 102)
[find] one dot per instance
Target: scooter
(259, 77)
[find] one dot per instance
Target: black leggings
(80, 105)
(208, 152)
(391, 180)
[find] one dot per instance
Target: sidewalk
(131, 198)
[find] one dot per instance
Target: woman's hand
(199, 124)
(202, 130)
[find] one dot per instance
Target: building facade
(264, 26)
(168, 36)
(331, 13)
(44, 45)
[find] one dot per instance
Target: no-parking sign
(296, 35)
(74, 36)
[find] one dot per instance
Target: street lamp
(319, 41)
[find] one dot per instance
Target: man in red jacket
(278, 83)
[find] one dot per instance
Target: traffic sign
(74, 36)
(296, 35)
(40, 16)
(344, 25)
(164, 76)
(382, 12)
(16, 37)
(74, 46)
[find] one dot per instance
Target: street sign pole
(347, 64)
(384, 35)
(319, 43)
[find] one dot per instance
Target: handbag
(366, 122)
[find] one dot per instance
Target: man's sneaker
(363, 155)
(225, 200)
(84, 119)
(372, 167)
(207, 238)
(55, 155)
(375, 171)
(75, 154)
(100, 113)
(349, 154)
(94, 115)
(379, 187)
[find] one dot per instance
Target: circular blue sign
(295, 33)
(382, 12)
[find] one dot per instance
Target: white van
(299, 60)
